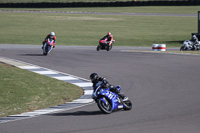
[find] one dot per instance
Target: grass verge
(22, 91)
(87, 29)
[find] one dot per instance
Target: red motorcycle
(48, 46)
(105, 45)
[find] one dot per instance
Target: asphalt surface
(104, 13)
(164, 89)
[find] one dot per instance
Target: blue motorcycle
(108, 101)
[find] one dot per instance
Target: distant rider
(50, 36)
(95, 79)
(108, 38)
(195, 41)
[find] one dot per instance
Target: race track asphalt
(164, 89)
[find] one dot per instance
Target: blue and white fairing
(102, 93)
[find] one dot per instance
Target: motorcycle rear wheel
(107, 109)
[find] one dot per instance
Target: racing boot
(124, 98)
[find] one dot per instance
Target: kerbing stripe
(88, 92)
(65, 78)
(83, 84)
(82, 101)
(45, 72)
(28, 67)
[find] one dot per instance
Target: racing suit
(48, 37)
(195, 41)
(107, 85)
(108, 38)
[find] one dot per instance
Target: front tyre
(107, 48)
(110, 47)
(44, 52)
(127, 105)
(104, 107)
(98, 48)
(45, 49)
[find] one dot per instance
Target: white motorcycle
(189, 45)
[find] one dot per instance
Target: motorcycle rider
(94, 77)
(50, 36)
(108, 37)
(195, 41)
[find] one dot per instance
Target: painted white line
(35, 113)
(28, 67)
(82, 101)
(83, 84)
(29, 114)
(38, 112)
(88, 92)
(45, 72)
(65, 78)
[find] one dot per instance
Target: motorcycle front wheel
(108, 48)
(105, 108)
(45, 49)
(45, 52)
(127, 105)
(98, 48)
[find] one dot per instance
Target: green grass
(87, 29)
(22, 91)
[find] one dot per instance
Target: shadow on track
(31, 55)
(78, 113)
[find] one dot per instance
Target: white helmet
(194, 36)
(52, 34)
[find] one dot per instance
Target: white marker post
(155, 47)
(162, 47)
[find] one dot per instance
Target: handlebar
(94, 95)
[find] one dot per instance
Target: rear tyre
(105, 108)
